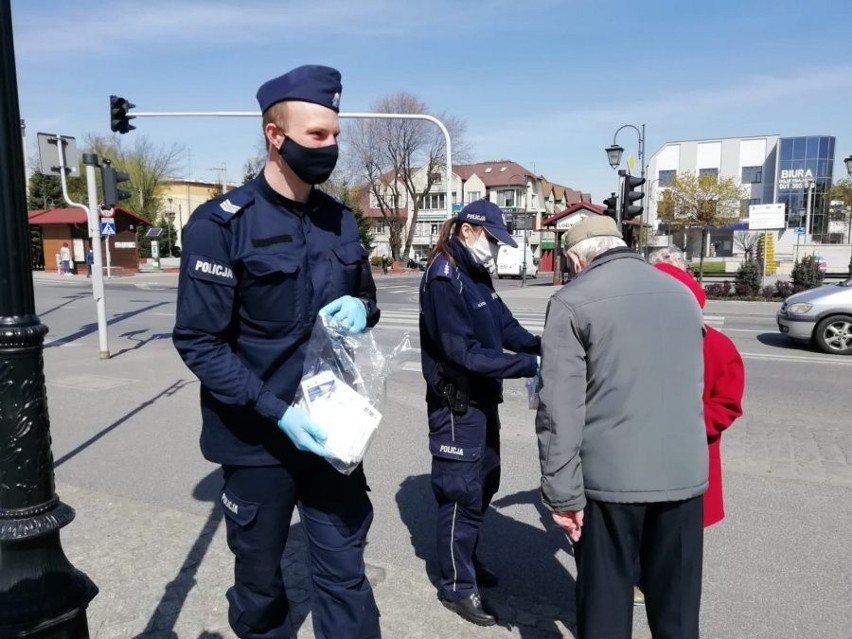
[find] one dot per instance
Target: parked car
(822, 316)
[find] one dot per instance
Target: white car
(820, 315)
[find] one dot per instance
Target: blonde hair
(278, 115)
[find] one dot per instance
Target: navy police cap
(489, 216)
(308, 83)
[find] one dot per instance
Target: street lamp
(42, 595)
(614, 153)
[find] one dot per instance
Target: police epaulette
(233, 203)
(440, 267)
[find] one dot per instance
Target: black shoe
(470, 609)
(484, 577)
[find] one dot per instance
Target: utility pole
(42, 596)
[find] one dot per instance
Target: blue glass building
(802, 161)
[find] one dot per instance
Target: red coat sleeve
(724, 383)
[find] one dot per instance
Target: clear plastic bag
(343, 387)
(533, 389)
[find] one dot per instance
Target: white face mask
(483, 251)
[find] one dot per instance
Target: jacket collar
(291, 205)
(620, 253)
(464, 260)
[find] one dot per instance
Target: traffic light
(120, 117)
(629, 195)
(111, 179)
(611, 204)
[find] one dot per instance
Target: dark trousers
(465, 476)
(335, 512)
(666, 540)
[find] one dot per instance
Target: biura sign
(794, 179)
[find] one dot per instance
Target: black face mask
(311, 165)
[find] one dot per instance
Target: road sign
(107, 212)
(799, 230)
(766, 217)
(48, 153)
(107, 226)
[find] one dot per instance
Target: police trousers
(465, 451)
(667, 540)
(335, 513)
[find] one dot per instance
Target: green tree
(748, 280)
(806, 273)
(841, 193)
(701, 201)
(340, 189)
(46, 191)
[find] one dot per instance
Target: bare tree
(389, 154)
(747, 241)
(146, 164)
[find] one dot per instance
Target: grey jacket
(620, 417)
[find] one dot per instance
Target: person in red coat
(724, 383)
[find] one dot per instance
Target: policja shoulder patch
(210, 270)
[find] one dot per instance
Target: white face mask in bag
(483, 251)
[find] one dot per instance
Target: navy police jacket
(465, 327)
(256, 268)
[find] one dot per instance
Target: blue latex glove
(305, 434)
(348, 311)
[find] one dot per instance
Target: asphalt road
(779, 565)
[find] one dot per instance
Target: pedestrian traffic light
(611, 204)
(629, 195)
(120, 117)
(111, 179)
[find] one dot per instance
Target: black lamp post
(42, 596)
(848, 162)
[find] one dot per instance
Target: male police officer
(259, 263)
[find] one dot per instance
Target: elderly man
(621, 435)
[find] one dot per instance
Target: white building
(795, 171)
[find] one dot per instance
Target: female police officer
(464, 327)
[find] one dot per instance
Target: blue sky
(543, 82)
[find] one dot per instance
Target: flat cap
(308, 83)
(593, 226)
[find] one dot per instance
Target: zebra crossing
(407, 318)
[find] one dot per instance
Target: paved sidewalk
(164, 573)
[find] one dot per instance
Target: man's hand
(304, 432)
(571, 521)
(347, 311)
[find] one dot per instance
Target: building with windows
(524, 197)
(795, 171)
(181, 197)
